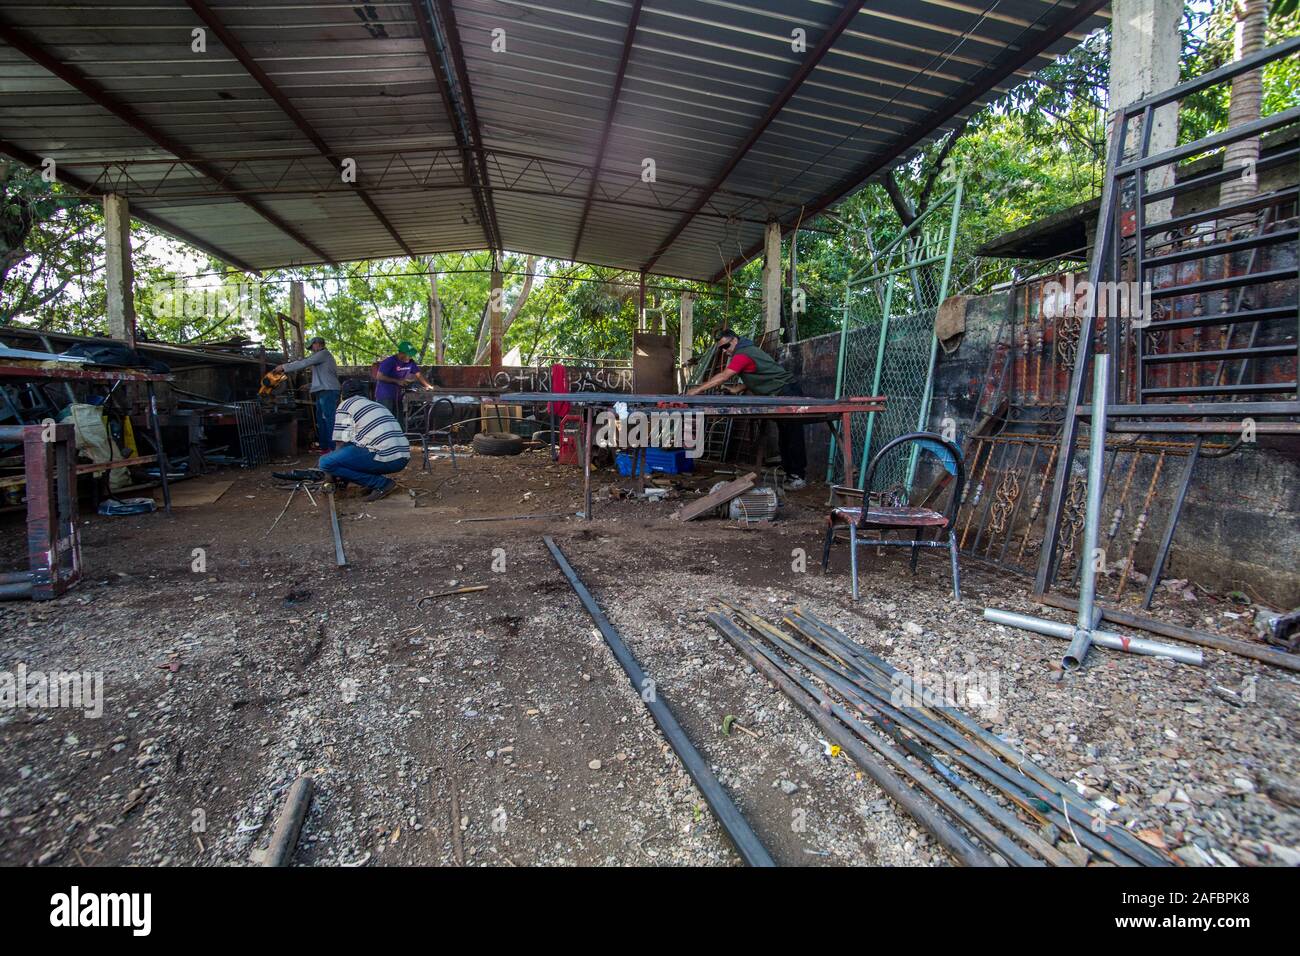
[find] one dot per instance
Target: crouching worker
(369, 444)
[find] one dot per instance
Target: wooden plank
(732, 489)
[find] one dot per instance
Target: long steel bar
(1078, 648)
(1019, 773)
(1047, 559)
(835, 674)
(1167, 539)
(984, 756)
(747, 843)
(340, 558)
(924, 813)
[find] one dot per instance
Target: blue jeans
(327, 403)
(356, 464)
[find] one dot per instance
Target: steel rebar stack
(981, 799)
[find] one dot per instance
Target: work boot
(383, 491)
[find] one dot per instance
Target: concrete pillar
(496, 300)
(298, 318)
(435, 316)
(1144, 58)
(686, 333)
(772, 277)
(118, 275)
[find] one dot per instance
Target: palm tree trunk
(1245, 105)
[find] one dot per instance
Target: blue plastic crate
(673, 462)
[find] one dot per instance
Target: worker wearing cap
(324, 388)
(393, 373)
(763, 375)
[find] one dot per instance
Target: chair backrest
(949, 456)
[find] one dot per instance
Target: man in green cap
(393, 373)
(763, 375)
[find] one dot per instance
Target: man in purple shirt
(393, 373)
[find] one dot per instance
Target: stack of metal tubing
(984, 801)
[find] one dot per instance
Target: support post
(435, 316)
(496, 297)
(772, 277)
(640, 305)
(1083, 634)
(686, 334)
(118, 274)
(298, 319)
(1145, 51)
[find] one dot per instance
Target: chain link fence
(887, 344)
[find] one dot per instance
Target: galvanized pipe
(1116, 642)
(1082, 637)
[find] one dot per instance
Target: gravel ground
(495, 727)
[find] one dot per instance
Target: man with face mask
(762, 375)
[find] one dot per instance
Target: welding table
(82, 373)
(774, 407)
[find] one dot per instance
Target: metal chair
(428, 432)
(897, 518)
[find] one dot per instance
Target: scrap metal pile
(982, 799)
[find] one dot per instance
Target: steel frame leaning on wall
(1122, 214)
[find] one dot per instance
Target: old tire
(497, 444)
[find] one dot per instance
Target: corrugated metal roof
(457, 141)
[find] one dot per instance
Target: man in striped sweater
(369, 444)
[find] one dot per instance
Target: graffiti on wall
(603, 379)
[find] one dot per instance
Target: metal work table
(81, 373)
(776, 407)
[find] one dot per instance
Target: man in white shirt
(369, 444)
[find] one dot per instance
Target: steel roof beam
(102, 98)
(237, 49)
(475, 130)
(846, 15)
(1001, 67)
(472, 169)
(86, 187)
(609, 123)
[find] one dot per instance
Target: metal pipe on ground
(813, 701)
(1083, 634)
(747, 843)
(1231, 645)
(823, 668)
(339, 557)
(1019, 777)
(1116, 642)
(284, 838)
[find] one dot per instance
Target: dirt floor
(495, 727)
